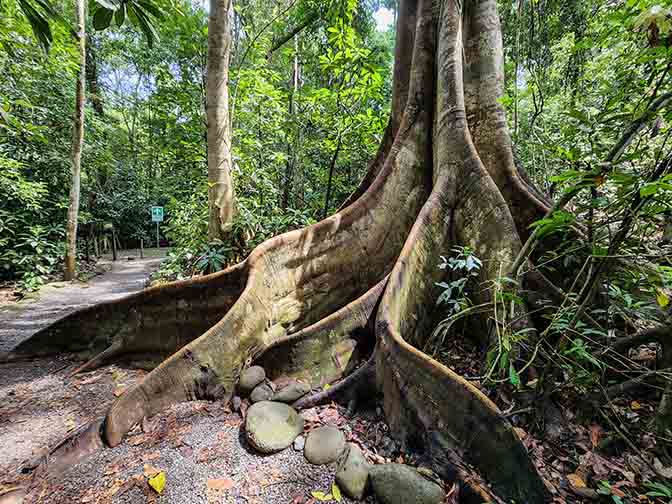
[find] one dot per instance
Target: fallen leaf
(634, 406)
(321, 496)
(119, 390)
(151, 456)
(70, 424)
(576, 481)
(136, 440)
(220, 484)
(662, 298)
(595, 433)
(336, 492)
(158, 482)
(150, 471)
(117, 375)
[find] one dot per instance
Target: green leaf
(120, 15)
(38, 23)
(513, 376)
(108, 4)
(102, 18)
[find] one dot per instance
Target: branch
(247, 50)
(642, 337)
(280, 41)
(636, 127)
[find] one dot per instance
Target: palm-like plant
(142, 14)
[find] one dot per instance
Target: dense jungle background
(588, 90)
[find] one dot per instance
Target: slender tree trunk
(292, 131)
(330, 181)
(92, 77)
(220, 188)
(76, 148)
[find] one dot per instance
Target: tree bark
(361, 284)
(220, 187)
(76, 147)
(292, 132)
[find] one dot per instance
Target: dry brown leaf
(220, 484)
(595, 434)
(576, 481)
(151, 456)
(119, 390)
(150, 471)
(136, 440)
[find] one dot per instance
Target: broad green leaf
(102, 18)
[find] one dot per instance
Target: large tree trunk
(361, 283)
(76, 148)
(220, 188)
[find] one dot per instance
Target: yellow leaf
(576, 480)
(634, 405)
(336, 492)
(326, 386)
(662, 298)
(158, 482)
(321, 496)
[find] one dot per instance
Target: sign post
(157, 216)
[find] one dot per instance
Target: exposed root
(360, 382)
(116, 348)
(308, 304)
(74, 448)
(328, 349)
(155, 321)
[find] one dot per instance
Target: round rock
(250, 378)
(324, 445)
(292, 392)
(399, 484)
(352, 474)
(271, 427)
(261, 393)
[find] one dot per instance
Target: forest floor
(199, 445)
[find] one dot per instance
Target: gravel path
(18, 321)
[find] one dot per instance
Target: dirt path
(18, 321)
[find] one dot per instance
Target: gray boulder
(261, 392)
(352, 474)
(271, 427)
(400, 484)
(250, 378)
(292, 392)
(324, 445)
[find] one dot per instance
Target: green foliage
(658, 489)
(466, 266)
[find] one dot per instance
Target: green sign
(157, 214)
